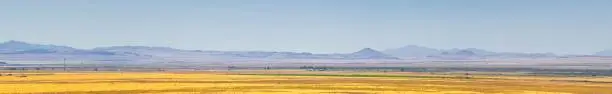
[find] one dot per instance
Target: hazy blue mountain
(482, 54)
(459, 52)
(412, 51)
(419, 52)
(604, 53)
(368, 53)
(139, 50)
(455, 54)
(473, 51)
(28, 51)
(166, 52)
(18, 50)
(136, 48)
(523, 55)
(362, 54)
(158, 52)
(19, 47)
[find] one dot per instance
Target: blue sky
(320, 26)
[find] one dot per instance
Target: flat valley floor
(294, 82)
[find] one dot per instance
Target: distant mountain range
(26, 51)
(413, 51)
(469, 53)
(604, 53)
(18, 47)
(165, 52)
(368, 53)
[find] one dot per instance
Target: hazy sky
(320, 26)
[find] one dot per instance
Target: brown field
(295, 82)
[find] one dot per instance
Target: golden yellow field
(302, 83)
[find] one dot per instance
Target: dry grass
(304, 82)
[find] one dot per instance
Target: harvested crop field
(257, 82)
